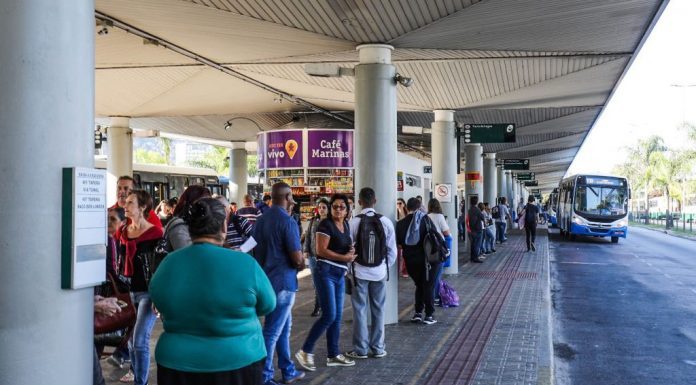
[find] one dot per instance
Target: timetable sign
(489, 133)
(513, 164)
(531, 183)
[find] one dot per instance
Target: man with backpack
(501, 213)
(531, 214)
(375, 247)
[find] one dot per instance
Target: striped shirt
(250, 213)
(237, 223)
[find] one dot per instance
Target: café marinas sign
(308, 148)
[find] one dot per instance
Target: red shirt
(152, 218)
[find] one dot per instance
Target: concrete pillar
(502, 188)
(375, 142)
(120, 159)
(238, 173)
(474, 164)
(515, 193)
(509, 193)
(47, 72)
(444, 150)
(490, 179)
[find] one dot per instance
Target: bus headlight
(621, 223)
(579, 220)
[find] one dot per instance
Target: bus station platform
(500, 333)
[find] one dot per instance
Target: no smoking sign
(443, 192)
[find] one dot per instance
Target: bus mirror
(629, 193)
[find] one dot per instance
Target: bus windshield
(601, 200)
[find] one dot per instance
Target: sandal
(128, 377)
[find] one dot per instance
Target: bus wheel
(614, 239)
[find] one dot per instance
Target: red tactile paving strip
(507, 275)
(460, 362)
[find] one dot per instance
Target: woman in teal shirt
(210, 299)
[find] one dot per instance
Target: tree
(217, 159)
(637, 166)
(142, 155)
(167, 148)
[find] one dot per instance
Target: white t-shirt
(440, 223)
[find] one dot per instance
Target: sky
(647, 101)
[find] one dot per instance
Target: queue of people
(184, 272)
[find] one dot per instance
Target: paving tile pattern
(508, 304)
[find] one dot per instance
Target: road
(624, 313)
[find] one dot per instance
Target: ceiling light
(415, 130)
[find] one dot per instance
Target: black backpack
(162, 249)
(371, 242)
(495, 212)
(530, 214)
(436, 250)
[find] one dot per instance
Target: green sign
(531, 183)
(536, 191)
(525, 176)
(513, 164)
(489, 133)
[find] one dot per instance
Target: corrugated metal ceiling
(546, 65)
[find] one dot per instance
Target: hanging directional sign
(536, 191)
(531, 183)
(489, 133)
(513, 164)
(525, 176)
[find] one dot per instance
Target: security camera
(403, 80)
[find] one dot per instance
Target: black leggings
(530, 231)
(248, 375)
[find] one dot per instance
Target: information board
(531, 183)
(83, 244)
(513, 164)
(489, 133)
(526, 176)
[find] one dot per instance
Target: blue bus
(551, 207)
(593, 205)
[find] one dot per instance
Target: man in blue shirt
(280, 254)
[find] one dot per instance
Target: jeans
(475, 239)
(376, 293)
(500, 228)
(276, 334)
(488, 240)
(438, 277)
(424, 280)
(315, 277)
(331, 293)
(140, 343)
(97, 377)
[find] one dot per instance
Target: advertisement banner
(329, 148)
(283, 149)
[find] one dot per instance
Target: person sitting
(210, 298)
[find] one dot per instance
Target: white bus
(593, 205)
